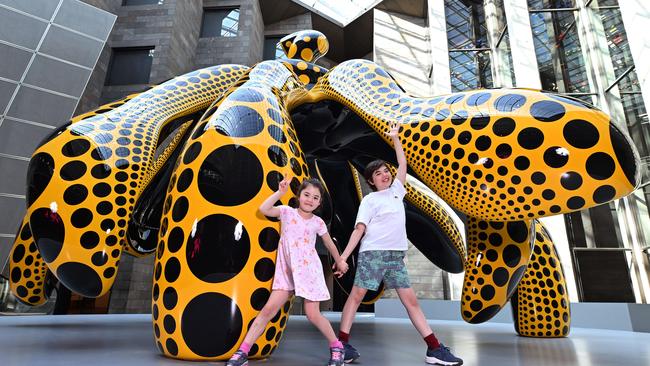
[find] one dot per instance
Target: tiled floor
(113, 340)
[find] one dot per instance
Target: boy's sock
(245, 347)
(432, 341)
(344, 337)
(336, 344)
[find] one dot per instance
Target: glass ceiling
(340, 12)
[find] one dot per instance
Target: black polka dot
(538, 178)
(530, 138)
(269, 239)
(172, 269)
(79, 278)
(176, 239)
(600, 166)
(89, 239)
(548, 194)
(171, 346)
(230, 176)
(581, 134)
(487, 292)
(101, 171)
(81, 218)
(477, 99)
(277, 134)
(76, 147)
(75, 194)
(624, 153)
(547, 110)
(219, 248)
(503, 151)
(239, 121)
(259, 298)
(476, 305)
(180, 209)
(184, 180)
(604, 193)
(208, 317)
(192, 152)
(170, 298)
(99, 258)
(509, 102)
(264, 269)
(479, 122)
(39, 173)
(108, 272)
(483, 143)
(169, 324)
(503, 127)
(101, 153)
(575, 203)
(101, 190)
(73, 170)
(571, 180)
(522, 163)
(518, 231)
(556, 157)
(500, 276)
(511, 256)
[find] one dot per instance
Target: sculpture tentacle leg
(540, 305)
(498, 255)
(85, 178)
(27, 270)
(216, 255)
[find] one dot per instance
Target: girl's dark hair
(370, 168)
(293, 202)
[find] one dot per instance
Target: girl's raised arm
(393, 133)
(267, 208)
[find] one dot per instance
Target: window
(272, 50)
(469, 51)
(559, 53)
(220, 22)
(142, 2)
(130, 66)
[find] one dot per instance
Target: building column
(440, 78)
(635, 14)
(522, 48)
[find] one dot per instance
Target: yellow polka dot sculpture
(178, 171)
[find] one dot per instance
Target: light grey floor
(98, 340)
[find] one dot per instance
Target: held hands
(341, 267)
(393, 132)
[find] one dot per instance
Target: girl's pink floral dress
(298, 267)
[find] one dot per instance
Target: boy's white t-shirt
(383, 214)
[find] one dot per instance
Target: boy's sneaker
(336, 356)
(351, 353)
(240, 358)
(442, 356)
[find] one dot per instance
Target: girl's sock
(336, 344)
(432, 341)
(344, 337)
(245, 347)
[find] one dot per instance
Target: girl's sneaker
(336, 356)
(240, 358)
(442, 356)
(351, 353)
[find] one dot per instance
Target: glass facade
(220, 22)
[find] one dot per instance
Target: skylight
(340, 12)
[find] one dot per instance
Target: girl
(382, 219)
(298, 268)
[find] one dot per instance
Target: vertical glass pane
(220, 23)
(637, 121)
(619, 49)
(273, 51)
(559, 53)
(470, 70)
(550, 4)
(466, 26)
(506, 62)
